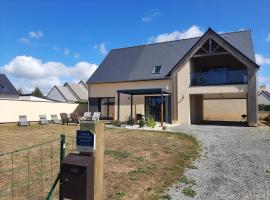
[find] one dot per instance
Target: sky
(46, 43)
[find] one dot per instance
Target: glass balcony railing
(218, 78)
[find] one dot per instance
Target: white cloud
(102, 48)
(151, 14)
(36, 34)
(268, 38)
(28, 72)
(261, 60)
(24, 40)
(31, 35)
(82, 70)
(193, 31)
(263, 79)
(66, 51)
(55, 48)
(76, 55)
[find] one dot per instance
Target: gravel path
(234, 163)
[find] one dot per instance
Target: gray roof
(79, 90)
(6, 87)
(66, 93)
(136, 63)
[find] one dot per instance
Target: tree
(20, 91)
(37, 92)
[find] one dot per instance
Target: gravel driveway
(234, 163)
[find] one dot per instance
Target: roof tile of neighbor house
(6, 87)
(66, 93)
(136, 63)
(79, 90)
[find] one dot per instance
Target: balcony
(218, 78)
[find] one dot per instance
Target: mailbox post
(82, 174)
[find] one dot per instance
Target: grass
(117, 154)
(138, 164)
(189, 192)
(186, 180)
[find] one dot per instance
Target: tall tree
(37, 92)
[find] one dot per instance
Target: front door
(153, 107)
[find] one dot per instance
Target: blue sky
(43, 43)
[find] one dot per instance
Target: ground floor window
(153, 107)
(106, 107)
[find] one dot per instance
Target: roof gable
(6, 87)
(79, 90)
(136, 63)
(66, 93)
(243, 56)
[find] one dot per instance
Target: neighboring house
(70, 92)
(61, 93)
(78, 90)
(263, 96)
(7, 90)
(186, 75)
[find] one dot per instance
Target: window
(156, 69)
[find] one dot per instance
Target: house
(79, 91)
(183, 81)
(70, 92)
(7, 90)
(263, 96)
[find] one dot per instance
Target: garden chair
(55, 119)
(86, 116)
(74, 118)
(64, 118)
(96, 116)
(23, 121)
(43, 119)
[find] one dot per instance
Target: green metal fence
(32, 172)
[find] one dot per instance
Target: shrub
(117, 123)
(150, 122)
(131, 121)
(263, 107)
(141, 123)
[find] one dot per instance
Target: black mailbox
(77, 177)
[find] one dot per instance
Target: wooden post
(118, 106)
(161, 110)
(98, 129)
(131, 106)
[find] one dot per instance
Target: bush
(141, 123)
(263, 107)
(150, 122)
(131, 121)
(117, 123)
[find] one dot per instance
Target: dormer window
(156, 69)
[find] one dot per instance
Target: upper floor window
(156, 69)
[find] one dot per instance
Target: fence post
(98, 129)
(62, 156)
